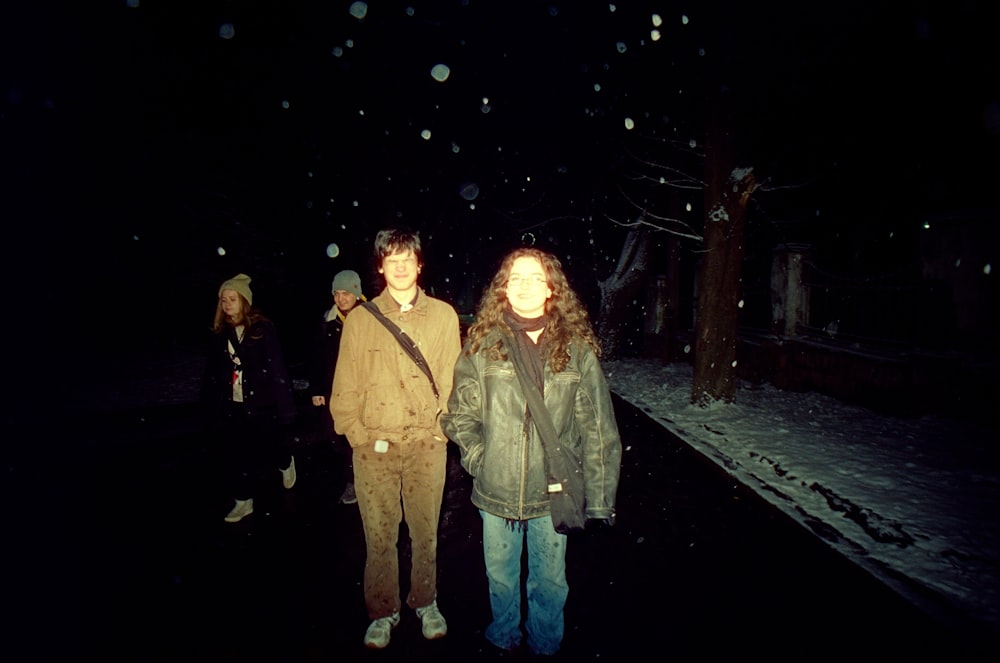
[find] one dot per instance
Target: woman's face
(230, 301)
(527, 287)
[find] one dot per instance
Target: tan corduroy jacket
(379, 393)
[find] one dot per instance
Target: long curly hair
(568, 321)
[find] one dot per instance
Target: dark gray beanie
(347, 280)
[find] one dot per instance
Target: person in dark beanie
(247, 394)
(326, 348)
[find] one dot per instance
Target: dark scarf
(534, 357)
(532, 352)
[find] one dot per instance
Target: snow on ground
(914, 501)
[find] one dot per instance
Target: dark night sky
(138, 140)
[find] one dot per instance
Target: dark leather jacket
(485, 418)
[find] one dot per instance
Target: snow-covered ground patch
(914, 501)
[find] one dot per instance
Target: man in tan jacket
(390, 413)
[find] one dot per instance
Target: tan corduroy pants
(407, 479)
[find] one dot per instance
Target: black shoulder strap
(539, 413)
(409, 346)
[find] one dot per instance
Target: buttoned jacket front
(378, 390)
(267, 387)
(486, 415)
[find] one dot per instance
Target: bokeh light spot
(469, 191)
(440, 72)
(359, 10)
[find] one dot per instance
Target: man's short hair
(397, 240)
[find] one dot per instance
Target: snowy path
(914, 501)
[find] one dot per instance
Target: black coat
(267, 388)
(325, 349)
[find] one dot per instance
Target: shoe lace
(429, 611)
(385, 621)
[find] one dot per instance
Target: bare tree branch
(643, 223)
(545, 222)
(694, 182)
(690, 233)
(641, 177)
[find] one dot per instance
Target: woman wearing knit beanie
(248, 395)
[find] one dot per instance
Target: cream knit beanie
(241, 284)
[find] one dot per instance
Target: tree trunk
(620, 288)
(719, 288)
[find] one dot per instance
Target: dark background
(121, 553)
(138, 141)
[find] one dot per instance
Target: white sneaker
(433, 624)
(288, 475)
(349, 496)
(242, 509)
(377, 635)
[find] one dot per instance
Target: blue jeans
(546, 586)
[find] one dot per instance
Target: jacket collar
(388, 305)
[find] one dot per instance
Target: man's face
(400, 270)
(345, 299)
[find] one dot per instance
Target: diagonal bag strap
(539, 413)
(408, 344)
(566, 501)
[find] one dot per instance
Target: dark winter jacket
(326, 346)
(267, 388)
(325, 350)
(486, 415)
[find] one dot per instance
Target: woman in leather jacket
(529, 308)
